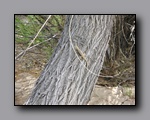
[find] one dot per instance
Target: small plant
(128, 92)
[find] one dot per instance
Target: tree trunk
(68, 79)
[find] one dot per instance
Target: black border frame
(91, 106)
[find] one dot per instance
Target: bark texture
(65, 80)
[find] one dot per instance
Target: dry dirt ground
(112, 96)
(101, 95)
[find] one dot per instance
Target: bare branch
(35, 36)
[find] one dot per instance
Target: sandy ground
(100, 96)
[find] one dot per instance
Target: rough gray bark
(65, 80)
